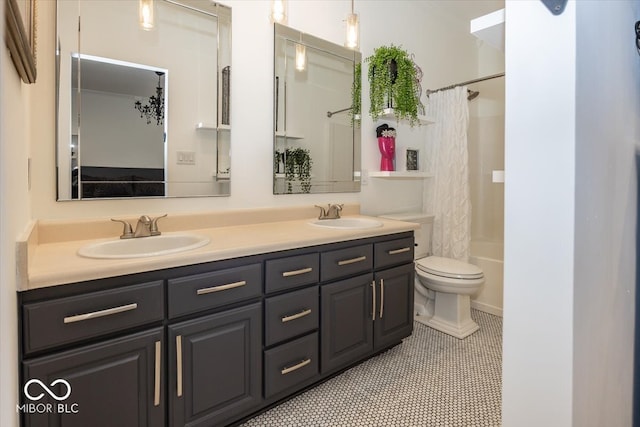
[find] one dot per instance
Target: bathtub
(489, 256)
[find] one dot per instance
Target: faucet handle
(338, 209)
(323, 212)
(127, 232)
(154, 225)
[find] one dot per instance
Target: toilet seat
(449, 268)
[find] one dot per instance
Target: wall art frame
(413, 159)
(20, 37)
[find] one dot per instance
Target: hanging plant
(297, 166)
(356, 91)
(393, 83)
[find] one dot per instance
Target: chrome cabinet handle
(381, 297)
(101, 313)
(295, 367)
(297, 272)
(296, 316)
(205, 291)
(398, 251)
(156, 390)
(179, 365)
(352, 260)
(373, 300)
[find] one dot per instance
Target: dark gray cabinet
(210, 344)
(394, 317)
(347, 326)
(215, 367)
(115, 383)
(369, 312)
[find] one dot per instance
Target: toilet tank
(422, 235)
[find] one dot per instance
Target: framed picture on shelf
(412, 159)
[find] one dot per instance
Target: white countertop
(52, 263)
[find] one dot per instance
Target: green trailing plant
(297, 166)
(393, 83)
(356, 91)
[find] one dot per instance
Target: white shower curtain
(447, 194)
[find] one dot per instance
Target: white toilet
(443, 286)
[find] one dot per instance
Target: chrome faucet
(145, 227)
(331, 212)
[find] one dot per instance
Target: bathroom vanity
(212, 343)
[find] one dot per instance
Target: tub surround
(47, 252)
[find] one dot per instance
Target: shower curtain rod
(481, 79)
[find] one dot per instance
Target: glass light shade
(353, 31)
(145, 12)
(279, 11)
(301, 57)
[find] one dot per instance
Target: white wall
(571, 214)
(539, 214)
(15, 102)
(607, 139)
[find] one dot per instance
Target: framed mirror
(143, 112)
(316, 134)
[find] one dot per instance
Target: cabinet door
(115, 383)
(347, 325)
(215, 367)
(394, 316)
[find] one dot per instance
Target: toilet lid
(447, 267)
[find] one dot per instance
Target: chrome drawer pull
(352, 260)
(381, 297)
(295, 367)
(297, 272)
(101, 313)
(296, 316)
(156, 390)
(204, 291)
(179, 365)
(399, 251)
(373, 300)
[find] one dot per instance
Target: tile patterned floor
(430, 380)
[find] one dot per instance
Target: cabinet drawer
(290, 364)
(346, 262)
(291, 314)
(393, 252)
(291, 272)
(209, 290)
(66, 320)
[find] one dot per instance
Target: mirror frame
(223, 38)
(295, 36)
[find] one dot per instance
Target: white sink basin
(347, 223)
(144, 246)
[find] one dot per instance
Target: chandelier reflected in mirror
(153, 110)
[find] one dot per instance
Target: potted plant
(393, 83)
(298, 167)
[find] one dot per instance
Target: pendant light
(145, 14)
(353, 30)
(301, 57)
(279, 11)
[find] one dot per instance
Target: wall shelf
(400, 175)
(289, 135)
(389, 114)
(490, 28)
(212, 126)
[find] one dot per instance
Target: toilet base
(452, 315)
